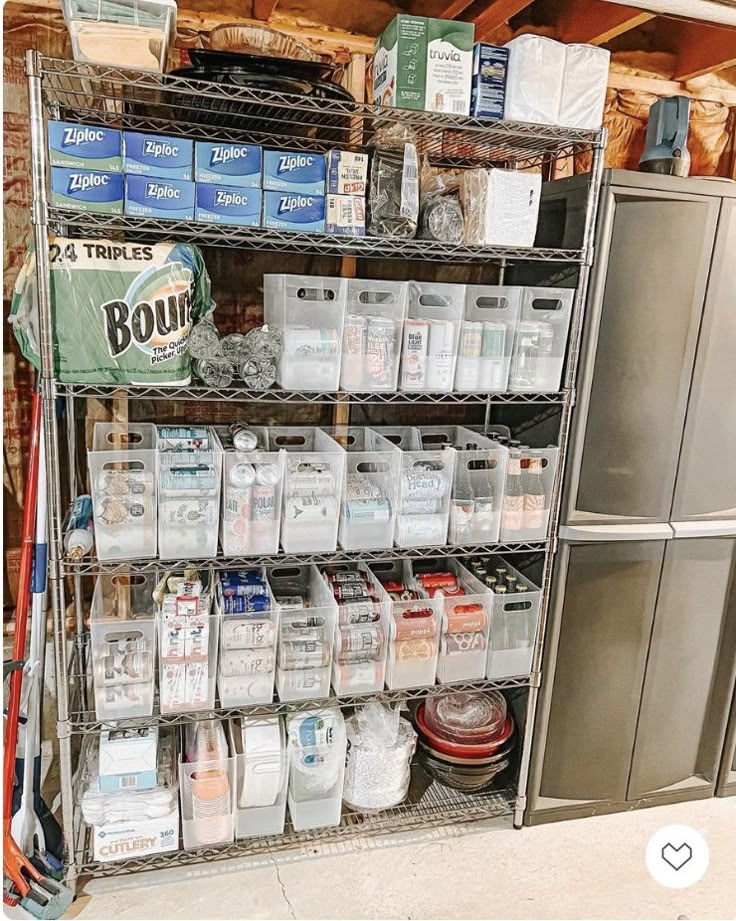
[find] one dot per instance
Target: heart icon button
(677, 857)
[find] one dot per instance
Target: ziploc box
(294, 211)
(85, 147)
(87, 190)
(225, 204)
(294, 171)
(345, 215)
(488, 91)
(228, 164)
(156, 155)
(150, 196)
(347, 172)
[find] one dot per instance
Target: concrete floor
(589, 868)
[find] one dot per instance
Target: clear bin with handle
(374, 325)
(431, 337)
(487, 338)
(540, 343)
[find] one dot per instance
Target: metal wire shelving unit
(118, 98)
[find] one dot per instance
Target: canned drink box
(85, 147)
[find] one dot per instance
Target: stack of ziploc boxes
(152, 176)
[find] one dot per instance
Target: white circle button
(677, 856)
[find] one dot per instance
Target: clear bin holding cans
(414, 627)
(478, 484)
(123, 636)
(310, 312)
(317, 743)
(431, 337)
(261, 768)
(514, 625)
(541, 340)
(189, 483)
(526, 505)
(315, 470)
(307, 618)
(122, 472)
(249, 622)
(252, 496)
(425, 488)
(371, 490)
(374, 324)
(487, 338)
(207, 795)
(361, 636)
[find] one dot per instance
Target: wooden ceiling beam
(454, 9)
(596, 22)
(262, 9)
(496, 13)
(704, 48)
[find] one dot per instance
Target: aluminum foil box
(85, 147)
(147, 196)
(224, 204)
(87, 190)
(294, 171)
(293, 211)
(228, 164)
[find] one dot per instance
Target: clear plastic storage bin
(487, 338)
(307, 618)
(514, 624)
(259, 748)
(123, 634)
(315, 469)
(189, 483)
(541, 340)
(207, 792)
(310, 312)
(431, 336)
(528, 494)
(371, 490)
(373, 332)
(122, 471)
(317, 770)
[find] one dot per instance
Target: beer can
(414, 354)
(370, 511)
(380, 349)
(440, 355)
(468, 362)
(311, 508)
(423, 484)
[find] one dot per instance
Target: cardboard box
(126, 840)
(85, 147)
(294, 171)
(157, 155)
(224, 204)
(159, 198)
(488, 91)
(290, 211)
(345, 214)
(86, 190)
(449, 66)
(347, 172)
(228, 164)
(128, 759)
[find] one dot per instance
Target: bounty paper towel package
(292, 211)
(294, 171)
(534, 80)
(156, 155)
(224, 204)
(85, 147)
(584, 86)
(228, 164)
(86, 190)
(150, 196)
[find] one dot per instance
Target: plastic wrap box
(487, 338)
(514, 624)
(261, 773)
(431, 335)
(122, 471)
(310, 312)
(316, 771)
(123, 635)
(534, 80)
(207, 794)
(540, 343)
(374, 325)
(525, 514)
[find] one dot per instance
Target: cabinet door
(706, 482)
(727, 775)
(641, 328)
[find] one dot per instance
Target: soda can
(414, 355)
(354, 349)
(348, 591)
(263, 503)
(380, 348)
(245, 604)
(422, 507)
(242, 475)
(347, 575)
(244, 439)
(358, 612)
(309, 481)
(371, 511)
(364, 639)
(303, 654)
(311, 508)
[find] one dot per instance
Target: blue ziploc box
(294, 171)
(294, 211)
(151, 196)
(228, 164)
(225, 204)
(156, 155)
(87, 190)
(488, 85)
(85, 147)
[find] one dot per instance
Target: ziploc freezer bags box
(228, 164)
(150, 196)
(294, 211)
(294, 171)
(156, 155)
(224, 204)
(85, 147)
(488, 90)
(87, 190)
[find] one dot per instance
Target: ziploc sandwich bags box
(121, 312)
(86, 190)
(85, 147)
(228, 164)
(294, 171)
(224, 204)
(294, 211)
(150, 196)
(156, 155)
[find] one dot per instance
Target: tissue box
(224, 204)
(86, 190)
(345, 214)
(156, 155)
(347, 172)
(501, 206)
(125, 840)
(534, 79)
(85, 147)
(488, 89)
(128, 759)
(288, 211)
(228, 164)
(163, 198)
(584, 86)
(294, 171)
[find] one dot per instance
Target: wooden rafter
(496, 14)
(597, 22)
(454, 9)
(703, 49)
(262, 9)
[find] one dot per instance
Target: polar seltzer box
(156, 155)
(225, 204)
(87, 190)
(294, 211)
(85, 147)
(294, 171)
(147, 196)
(228, 164)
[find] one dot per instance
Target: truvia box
(87, 190)
(488, 91)
(147, 196)
(228, 164)
(449, 66)
(345, 215)
(226, 204)
(156, 155)
(294, 211)
(347, 172)
(85, 147)
(294, 171)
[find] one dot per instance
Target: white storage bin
(526, 504)
(122, 471)
(534, 79)
(252, 497)
(316, 771)
(514, 624)
(307, 618)
(310, 312)
(207, 792)
(371, 490)
(189, 483)
(123, 635)
(431, 336)
(259, 748)
(315, 469)
(374, 325)
(584, 86)
(487, 338)
(541, 340)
